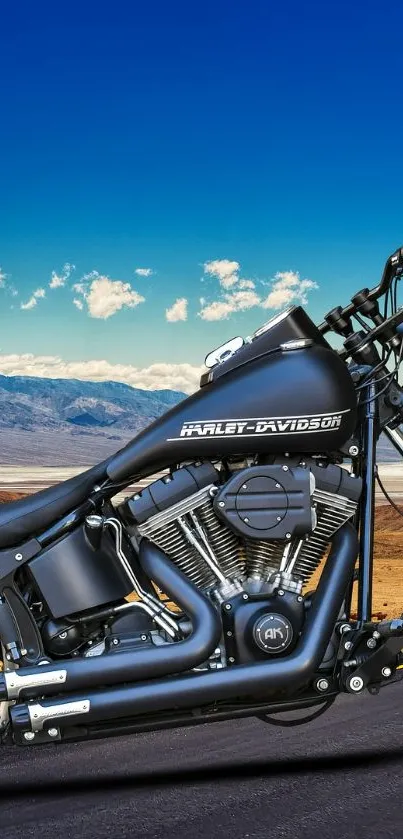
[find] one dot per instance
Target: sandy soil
(388, 560)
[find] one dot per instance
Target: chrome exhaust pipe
(249, 681)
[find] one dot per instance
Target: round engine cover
(273, 633)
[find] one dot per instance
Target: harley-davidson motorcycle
(192, 599)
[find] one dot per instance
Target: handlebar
(365, 303)
(393, 267)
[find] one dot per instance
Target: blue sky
(170, 136)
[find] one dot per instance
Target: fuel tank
(300, 400)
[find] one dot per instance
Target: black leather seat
(21, 520)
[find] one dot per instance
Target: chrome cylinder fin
(226, 546)
(173, 541)
(262, 558)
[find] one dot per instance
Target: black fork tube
(367, 518)
(282, 676)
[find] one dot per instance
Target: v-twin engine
(261, 527)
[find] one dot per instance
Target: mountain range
(59, 422)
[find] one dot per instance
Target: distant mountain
(30, 403)
(69, 421)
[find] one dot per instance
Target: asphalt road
(341, 776)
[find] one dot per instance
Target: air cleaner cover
(268, 502)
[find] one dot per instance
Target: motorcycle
(188, 602)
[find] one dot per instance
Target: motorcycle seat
(21, 520)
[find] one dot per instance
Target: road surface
(31, 479)
(341, 777)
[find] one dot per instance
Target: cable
(362, 322)
(301, 720)
(388, 383)
(372, 373)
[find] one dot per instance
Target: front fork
(370, 652)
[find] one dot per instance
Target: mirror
(224, 352)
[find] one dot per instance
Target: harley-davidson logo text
(265, 426)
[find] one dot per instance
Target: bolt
(245, 597)
(376, 634)
(371, 643)
(115, 642)
(322, 685)
(280, 592)
(348, 645)
(246, 521)
(278, 486)
(300, 599)
(144, 637)
(29, 735)
(353, 451)
(63, 635)
(288, 535)
(278, 518)
(244, 486)
(231, 659)
(229, 633)
(53, 732)
(61, 677)
(18, 557)
(221, 503)
(386, 672)
(228, 607)
(285, 468)
(356, 683)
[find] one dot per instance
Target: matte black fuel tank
(296, 401)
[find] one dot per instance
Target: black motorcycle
(268, 475)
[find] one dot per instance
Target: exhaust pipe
(248, 681)
(137, 665)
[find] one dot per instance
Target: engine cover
(268, 502)
(258, 626)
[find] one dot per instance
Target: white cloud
(79, 288)
(225, 270)
(239, 294)
(143, 272)
(286, 288)
(178, 311)
(239, 301)
(3, 278)
(78, 303)
(104, 297)
(160, 376)
(33, 300)
(59, 280)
